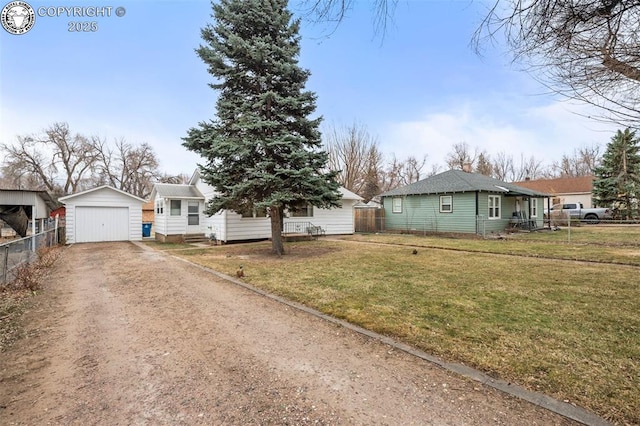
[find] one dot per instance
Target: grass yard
(568, 329)
(592, 244)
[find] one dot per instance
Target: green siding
(421, 213)
(507, 205)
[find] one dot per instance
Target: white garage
(103, 214)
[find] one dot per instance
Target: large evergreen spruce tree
(262, 151)
(617, 180)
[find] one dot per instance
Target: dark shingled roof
(459, 181)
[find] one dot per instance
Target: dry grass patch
(547, 244)
(569, 330)
(12, 306)
(15, 296)
(603, 234)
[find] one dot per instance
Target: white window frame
(160, 207)
(534, 207)
(396, 207)
(172, 210)
(495, 207)
(191, 215)
(305, 211)
(449, 203)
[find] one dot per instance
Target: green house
(457, 201)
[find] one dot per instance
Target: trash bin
(146, 230)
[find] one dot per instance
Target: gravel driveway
(123, 334)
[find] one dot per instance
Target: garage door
(94, 224)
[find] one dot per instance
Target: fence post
(481, 223)
(5, 268)
(55, 239)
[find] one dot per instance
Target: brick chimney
(466, 167)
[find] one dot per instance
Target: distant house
(60, 212)
(565, 189)
(461, 202)
(179, 215)
(148, 210)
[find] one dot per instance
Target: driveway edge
(565, 409)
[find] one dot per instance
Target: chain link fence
(16, 253)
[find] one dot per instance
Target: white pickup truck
(577, 211)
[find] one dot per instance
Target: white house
(179, 213)
(103, 214)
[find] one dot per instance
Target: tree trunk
(277, 246)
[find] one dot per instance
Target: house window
(251, 212)
(159, 207)
(246, 211)
(494, 207)
(260, 212)
(396, 205)
(193, 217)
(446, 203)
(305, 211)
(176, 208)
(534, 207)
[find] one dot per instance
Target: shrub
(28, 276)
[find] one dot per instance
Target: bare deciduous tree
(505, 168)
(354, 153)
(502, 165)
(56, 160)
(461, 155)
(335, 11)
(587, 50)
(61, 162)
(529, 168)
(130, 168)
(582, 163)
(181, 178)
(411, 169)
(402, 172)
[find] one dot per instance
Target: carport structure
(18, 207)
(103, 214)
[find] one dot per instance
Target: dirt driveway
(126, 335)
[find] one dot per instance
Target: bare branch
(588, 50)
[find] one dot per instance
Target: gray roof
(171, 190)
(48, 200)
(459, 181)
(96, 189)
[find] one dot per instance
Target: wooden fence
(369, 219)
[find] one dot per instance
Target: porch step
(195, 238)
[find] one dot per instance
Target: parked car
(577, 211)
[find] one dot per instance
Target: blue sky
(419, 90)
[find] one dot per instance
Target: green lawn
(569, 329)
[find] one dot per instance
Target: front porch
(295, 231)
